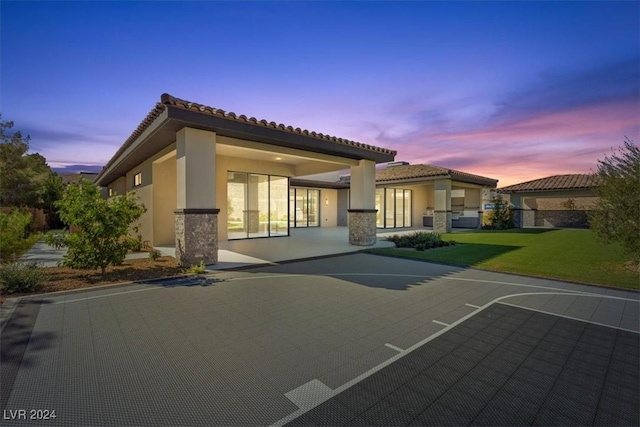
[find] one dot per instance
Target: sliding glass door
(394, 208)
(257, 205)
(304, 207)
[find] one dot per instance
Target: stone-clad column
(196, 218)
(196, 236)
(362, 227)
(442, 213)
(362, 213)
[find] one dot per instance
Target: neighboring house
(554, 201)
(69, 177)
(207, 176)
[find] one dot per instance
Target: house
(208, 176)
(554, 201)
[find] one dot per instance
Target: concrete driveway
(349, 340)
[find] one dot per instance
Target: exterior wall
(164, 202)
(145, 195)
(119, 186)
(562, 218)
(224, 164)
(419, 204)
(328, 207)
(560, 203)
(343, 206)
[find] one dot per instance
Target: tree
(616, 216)
(102, 236)
(22, 175)
(52, 192)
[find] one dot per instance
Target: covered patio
(302, 243)
(207, 177)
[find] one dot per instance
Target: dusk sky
(510, 90)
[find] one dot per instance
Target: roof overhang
(308, 183)
(159, 131)
(485, 182)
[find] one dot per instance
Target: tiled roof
(170, 102)
(555, 182)
(166, 99)
(414, 172)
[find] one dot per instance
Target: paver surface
(273, 345)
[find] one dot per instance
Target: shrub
(102, 236)
(501, 216)
(420, 240)
(14, 233)
(197, 268)
(135, 245)
(154, 254)
(21, 277)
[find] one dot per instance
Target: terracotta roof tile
(167, 99)
(413, 172)
(555, 182)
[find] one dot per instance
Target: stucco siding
(164, 202)
(329, 207)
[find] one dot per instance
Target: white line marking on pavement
(463, 279)
(472, 306)
(568, 317)
(309, 395)
(108, 295)
(393, 347)
(419, 344)
(441, 323)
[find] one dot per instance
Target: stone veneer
(196, 236)
(362, 227)
(562, 218)
(442, 221)
(528, 218)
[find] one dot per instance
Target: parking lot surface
(355, 339)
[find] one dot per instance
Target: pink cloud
(547, 143)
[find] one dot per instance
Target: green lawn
(574, 255)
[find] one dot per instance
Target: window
(137, 179)
(394, 208)
(257, 205)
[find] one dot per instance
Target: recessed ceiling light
(278, 158)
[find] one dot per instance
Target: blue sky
(510, 90)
